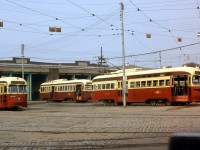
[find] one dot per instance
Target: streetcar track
(88, 132)
(70, 147)
(97, 143)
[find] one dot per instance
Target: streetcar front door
(180, 88)
(1, 96)
(119, 93)
(52, 93)
(78, 92)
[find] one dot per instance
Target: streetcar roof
(65, 81)
(129, 72)
(12, 80)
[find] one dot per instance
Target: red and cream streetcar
(62, 89)
(13, 92)
(165, 86)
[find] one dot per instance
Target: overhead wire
(92, 14)
(44, 14)
(164, 50)
(198, 7)
(151, 20)
(107, 28)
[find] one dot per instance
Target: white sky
(91, 24)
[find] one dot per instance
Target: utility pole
(124, 87)
(22, 53)
(101, 57)
(101, 62)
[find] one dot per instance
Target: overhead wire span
(92, 14)
(151, 20)
(44, 14)
(198, 7)
(154, 52)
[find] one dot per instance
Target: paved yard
(88, 126)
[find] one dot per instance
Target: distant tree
(191, 64)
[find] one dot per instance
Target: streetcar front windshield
(196, 79)
(17, 89)
(22, 88)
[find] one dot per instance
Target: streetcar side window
(94, 87)
(99, 86)
(138, 84)
(196, 79)
(108, 86)
(112, 85)
(167, 82)
(149, 83)
(103, 86)
(161, 82)
(155, 83)
(143, 83)
(88, 87)
(119, 84)
(70, 88)
(132, 84)
(5, 89)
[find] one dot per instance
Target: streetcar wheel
(116, 103)
(168, 103)
(182, 104)
(105, 103)
(153, 103)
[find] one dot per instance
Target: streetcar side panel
(105, 95)
(45, 93)
(63, 89)
(146, 95)
(106, 91)
(195, 94)
(145, 90)
(195, 88)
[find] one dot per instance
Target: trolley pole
(160, 59)
(22, 53)
(124, 87)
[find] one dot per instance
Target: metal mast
(124, 87)
(22, 53)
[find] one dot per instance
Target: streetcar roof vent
(58, 80)
(128, 70)
(167, 67)
(3, 76)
